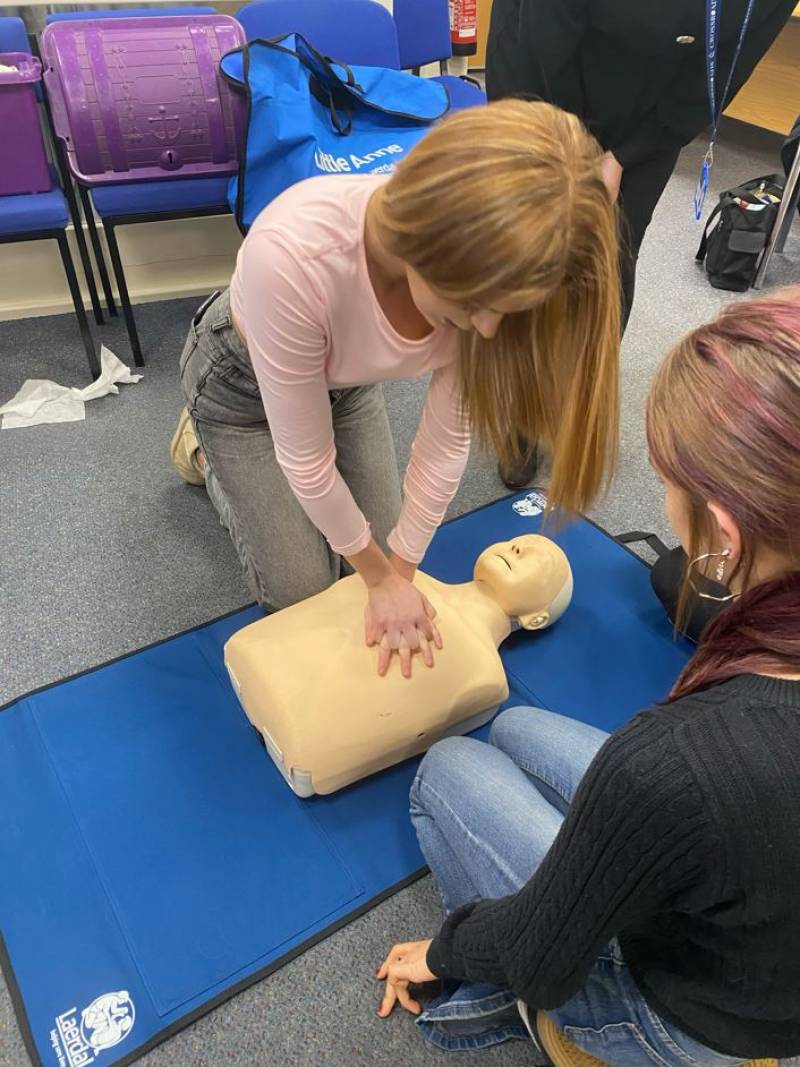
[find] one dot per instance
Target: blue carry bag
(309, 115)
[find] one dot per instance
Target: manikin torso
(310, 685)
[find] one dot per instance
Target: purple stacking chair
(32, 203)
(423, 34)
(111, 183)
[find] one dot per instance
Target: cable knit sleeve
(636, 834)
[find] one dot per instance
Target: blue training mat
(152, 860)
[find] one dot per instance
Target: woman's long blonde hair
(508, 201)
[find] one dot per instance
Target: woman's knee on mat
(535, 738)
(530, 738)
(449, 767)
(468, 776)
(511, 726)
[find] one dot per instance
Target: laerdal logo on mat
(531, 505)
(78, 1038)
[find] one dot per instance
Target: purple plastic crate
(142, 98)
(23, 162)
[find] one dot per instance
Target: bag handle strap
(276, 43)
(341, 116)
(343, 125)
(352, 87)
(325, 70)
(315, 62)
(239, 213)
(326, 65)
(320, 68)
(701, 251)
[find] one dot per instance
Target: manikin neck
(480, 611)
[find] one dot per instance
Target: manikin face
(440, 310)
(525, 575)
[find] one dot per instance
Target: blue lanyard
(713, 16)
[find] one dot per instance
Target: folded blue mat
(152, 860)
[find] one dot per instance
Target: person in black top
(641, 889)
(635, 72)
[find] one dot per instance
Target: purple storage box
(23, 161)
(142, 98)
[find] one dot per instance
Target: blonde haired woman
(488, 259)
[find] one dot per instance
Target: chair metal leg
(83, 251)
(793, 195)
(77, 302)
(787, 201)
(59, 155)
(97, 248)
(122, 289)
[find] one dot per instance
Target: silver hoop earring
(719, 575)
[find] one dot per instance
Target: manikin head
(529, 578)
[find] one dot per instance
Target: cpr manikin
(310, 686)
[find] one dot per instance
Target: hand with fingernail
(405, 965)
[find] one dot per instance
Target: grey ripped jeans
(284, 556)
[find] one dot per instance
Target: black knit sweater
(683, 841)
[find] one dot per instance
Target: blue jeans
(485, 816)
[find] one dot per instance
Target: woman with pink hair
(638, 892)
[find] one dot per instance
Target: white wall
(161, 260)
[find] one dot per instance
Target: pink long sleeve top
(303, 301)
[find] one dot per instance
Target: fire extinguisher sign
(464, 27)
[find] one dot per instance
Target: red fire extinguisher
(464, 27)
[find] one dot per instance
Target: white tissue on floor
(41, 401)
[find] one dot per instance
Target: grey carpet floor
(104, 550)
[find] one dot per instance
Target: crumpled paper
(41, 401)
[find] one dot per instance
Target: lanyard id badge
(713, 16)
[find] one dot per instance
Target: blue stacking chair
(128, 203)
(359, 32)
(423, 33)
(15, 39)
(42, 216)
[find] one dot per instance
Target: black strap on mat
(651, 539)
(667, 576)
